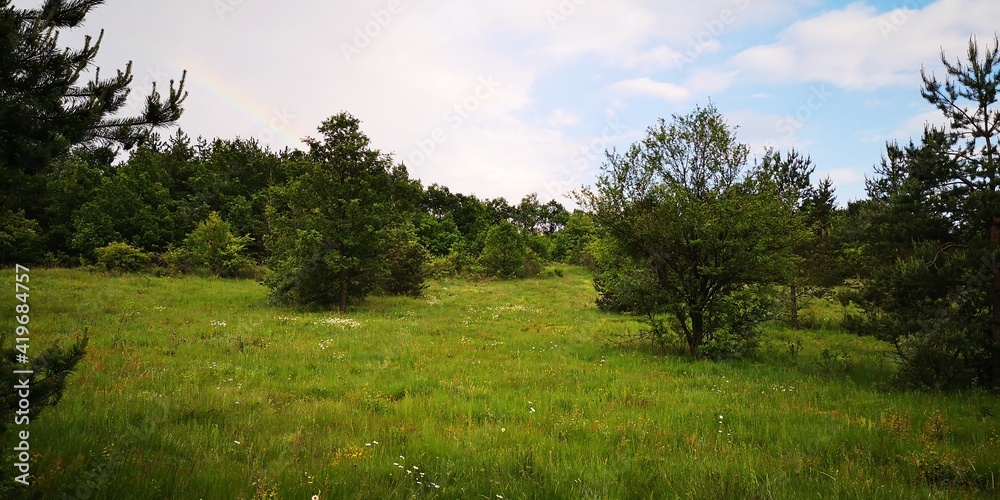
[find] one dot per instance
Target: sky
(524, 96)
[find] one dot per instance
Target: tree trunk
(697, 332)
(793, 290)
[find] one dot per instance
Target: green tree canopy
(931, 235)
(705, 233)
(332, 223)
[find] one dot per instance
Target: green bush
(122, 257)
(531, 266)
(19, 238)
(212, 245)
(407, 260)
(176, 260)
(504, 252)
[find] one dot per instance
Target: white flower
(342, 323)
(237, 442)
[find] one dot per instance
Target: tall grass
(197, 388)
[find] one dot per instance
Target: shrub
(122, 257)
(407, 260)
(177, 260)
(213, 245)
(504, 252)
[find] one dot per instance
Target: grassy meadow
(198, 388)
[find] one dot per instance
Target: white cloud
(857, 47)
(645, 87)
(562, 118)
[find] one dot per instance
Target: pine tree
(332, 224)
(46, 110)
(932, 237)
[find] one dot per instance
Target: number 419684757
(22, 309)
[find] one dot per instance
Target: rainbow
(224, 90)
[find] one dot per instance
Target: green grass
(197, 388)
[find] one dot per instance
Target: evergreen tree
(44, 113)
(932, 236)
(332, 223)
(813, 272)
(45, 110)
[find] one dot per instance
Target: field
(198, 388)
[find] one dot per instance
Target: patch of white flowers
(342, 323)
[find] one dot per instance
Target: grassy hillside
(197, 388)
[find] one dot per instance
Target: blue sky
(508, 98)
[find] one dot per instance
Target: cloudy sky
(519, 96)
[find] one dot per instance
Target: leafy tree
(933, 236)
(213, 245)
(132, 205)
(407, 261)
(504, 251)
(331, 223)
(437, 235)
(469, 214)
(45, 110)
(499, 211)
(708, 236)
(572, 239)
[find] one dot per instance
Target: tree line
(681, 229)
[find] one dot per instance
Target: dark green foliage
(437, 235)
(504, 252)
(699, 236)
(19, 237)
(45, 110)
(131, 204)
(331, 223)
(407, 261)
(47, 383)
(122, 258)
(814, 269)
(929, 237)
(570, 241)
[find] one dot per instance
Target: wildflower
(342, 323)
(237, 442)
